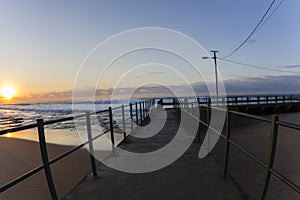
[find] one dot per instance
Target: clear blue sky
(44, 42)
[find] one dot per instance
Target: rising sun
(8, 92)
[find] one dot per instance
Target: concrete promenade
(187, 178)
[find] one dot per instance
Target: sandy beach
(19, 156)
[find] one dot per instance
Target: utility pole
(216, 72)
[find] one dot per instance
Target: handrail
(251, 116)
(253, 157)
(21, 178)
(289, 125)
(54, 160)
(285, 180)
(46, 163)
(16, 129)
(249, 99)
(54, 121)
(274, 135)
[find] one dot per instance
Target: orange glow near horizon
(8, 135)
(8, 92)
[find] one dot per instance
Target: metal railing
(141, 111)
(250, 99)
(268, 165)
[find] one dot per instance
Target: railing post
(199, 123)
(111, 124)
(147, 108)
(91, 146)
(136, 113)
(227, 144)
(45, 159)
(192, 118)
(143, 104)
(141, 112)
(271, 156)
(123, 120)
(131, 116)
(144, 110)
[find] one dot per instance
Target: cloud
(234, 86)
(291, 66)
(263, 85)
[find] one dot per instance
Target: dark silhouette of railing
(236, 100)
(268, 166)
(250, 99)
(141, 112)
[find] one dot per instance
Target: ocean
(13, 115)
(16, 115)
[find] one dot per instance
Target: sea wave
(12, 115)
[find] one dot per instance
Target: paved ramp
(187, 178)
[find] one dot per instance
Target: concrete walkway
(187, 178)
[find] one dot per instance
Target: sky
(44, 43)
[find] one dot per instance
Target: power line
(257, 67)
(271, 14)
(254, 30)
